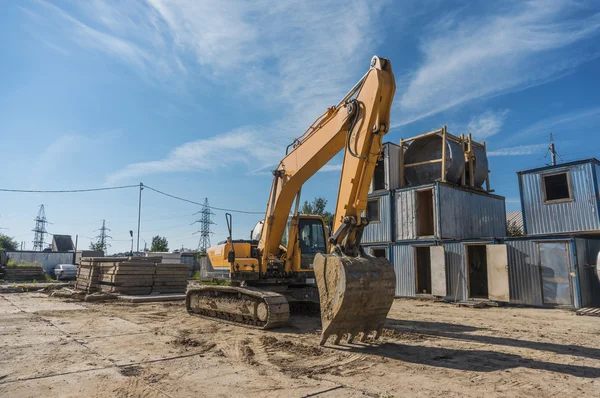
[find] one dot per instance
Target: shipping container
(561, 199)
(554, 271)
(386, 176)
(443, 211)
(454, 270)
(379, 212)
(543, 271)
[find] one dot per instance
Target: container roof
(561, 165)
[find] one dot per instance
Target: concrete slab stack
(131, 275)
(171, 278)
(26, 273)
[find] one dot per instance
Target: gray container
(579, 214)
(430, 148)
(458, 213)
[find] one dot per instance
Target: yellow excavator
(290, 261)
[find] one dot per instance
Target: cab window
(286, 233)
(311, 235)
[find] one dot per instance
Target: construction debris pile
(131, 275)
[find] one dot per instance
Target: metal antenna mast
(552, 151)
(205, 223)
(40, 230)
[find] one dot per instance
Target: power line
(201, 204)
(124, 187)
(67, 190)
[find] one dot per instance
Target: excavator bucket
(356, 294)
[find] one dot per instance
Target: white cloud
(331, 167)
(568, 123)
(96, 40)
(475, 57)
(299, 57)
(240, 146)
(487, 124)
(519, 150)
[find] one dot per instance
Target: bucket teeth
(356, 294)
(350, 338)
(363, 337)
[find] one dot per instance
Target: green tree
(7, 243)
(317, 207)
(98, 246)
(159, 244)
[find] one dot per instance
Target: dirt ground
(55, 348)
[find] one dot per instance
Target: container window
(379, 176)
(556, 187)
(373, 210)
(379, 252)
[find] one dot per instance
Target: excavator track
(245, 306)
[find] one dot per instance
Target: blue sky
(199, 98)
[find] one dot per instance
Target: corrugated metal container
(380, 231)
(458, 213)
(403, 258)
(525, 265)
(48, 260)
(524, 269)
(391, 167)
(405, 211)
(576, 215)
(466, 214)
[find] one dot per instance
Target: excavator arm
(357, 124)
(356, 291)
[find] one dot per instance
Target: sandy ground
(54, 348)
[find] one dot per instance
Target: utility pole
(139, 217)
(205, 223)
(40, 230)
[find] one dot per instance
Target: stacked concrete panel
(131, 275)
(170, 278)
(87, 275)
(27, 273)
(134, 276)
